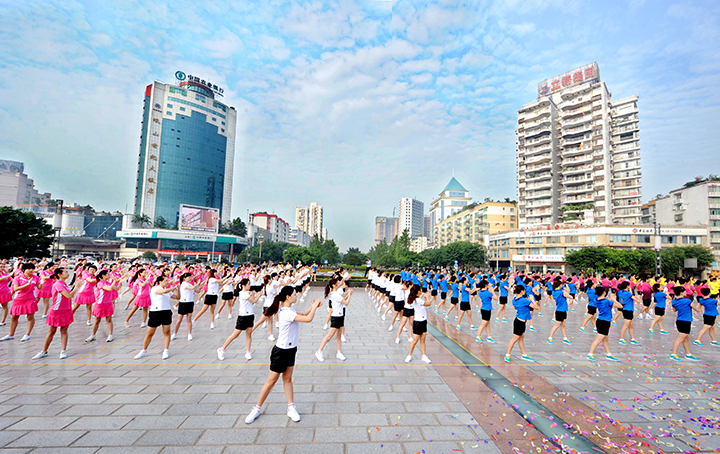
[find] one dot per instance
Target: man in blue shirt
(684, 308)
(659, 302)
(710, 313)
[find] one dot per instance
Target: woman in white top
(228, 295)
(271, 288)
(245, 320)
(160, 314)
(282, 357)
(211, 297)
(408, 310)
(338, 300)
(186, 304)
(420, 303)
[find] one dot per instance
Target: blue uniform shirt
(455, 289)
(486, 297)
(443, 285)
(660, 299)
(465, 293)
(710, 305)
(522, 306)
(560, 301)
(684, 309)
(625, 298)
(604, 306)
(592, 297)
(503, 290)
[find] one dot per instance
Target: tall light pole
(261, 237)
(497, 248)
(658, 250)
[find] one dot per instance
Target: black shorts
(603, 327)
(386, 291)
(443, 295)
(572, 295)
(453, 300)
(683, 326)
(465, 306)
(282, 358)
(236, 292)
(628, 315)
(337, 322)
(433, 293)
(399, 306)
(538, 297)
(420, 328)
(227, 296)
(210, 299)
(244, 322)
(408, 312)
(157, 318)
(660, 311)
(503, 299)
(186, 308)
(549, 292)
(256, 288)
(592, 310)
(709, 320)
(519, 327)
(646, 303)
(265, 311)
(485, 314)
(560, 316)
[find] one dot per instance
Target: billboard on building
(587, 73)
(199, 219)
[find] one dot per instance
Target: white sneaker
(390, 328)
(293, 414)
(110, 338)
(25, 338)
(426, 359)
(264, 325)
(90, 339)
(63, 354)
(405, 329)
(190, 337)
(379, 309)
(383, 317)
(325, 327)
(229, 316)
(221, 354)
(143, 325)
(88, 323)
(343, 338)
(3, 323)
(408, 358)
(319, 356)
(212, 325)
(253, 415)
(7, 338)
(248, 356)
(142, 354)
(44, 316)
(340, 356)
(271, 337)
(173, 337)
(410, 339)
(40, 355)
(166, 354)
(217, 316)
(127, 325)
(397, 340)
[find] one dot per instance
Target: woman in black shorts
(186, 305)
(338, 301)
(407, 311)
(245, 320)
(160, 314)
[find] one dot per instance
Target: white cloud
(421, 79)
(275, 46)
(224, 45)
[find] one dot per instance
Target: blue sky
(352, 104)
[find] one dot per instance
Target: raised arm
(308, 316)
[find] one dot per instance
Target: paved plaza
(100, 400)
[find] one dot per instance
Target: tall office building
(386, 229)
(450, 201)
(187, 149)
(578, 154)
(310, 219)
(411, 217)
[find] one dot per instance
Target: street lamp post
(658, 250)
(261, 237)
(497, 248)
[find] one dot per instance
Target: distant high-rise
(310, 220)
(16, 188)
(385, 229)
(578, 154)
(187, 150)
(411, 217)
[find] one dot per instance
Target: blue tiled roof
(454, 185)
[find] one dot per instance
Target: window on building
(591, 238)
(519, 240)
(200, 98)
(182, 109)
(536, 251)
(169, 106)
(572, 239)
(669, 239)
(691, 240)
(642, 238)
(521, 251)
(214, 119)
(678, 217)
(553, 240)
(619, 238)
(504, 253)
(554, 251)
(505, 242)
(168, 113)
(536, 240)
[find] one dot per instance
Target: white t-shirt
(338, 308)
(420, 310)
(271, 290)
(245, 307)
(159, 301)
(288, 328)
(406, 294)
(228, 287)
(213, 286)
(187, 292)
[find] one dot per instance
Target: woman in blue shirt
(604, 308)
(454, 298)
(465, 307)
(591, 314)
(504, 284)
(443, 282)
(486, 297)
(560, 295)
(710, 313)
(522, 315)
(628, 300)
(684, 308)
(659, 301)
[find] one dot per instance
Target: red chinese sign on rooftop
(587, 73)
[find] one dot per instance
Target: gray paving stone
(341, 408)
(16, 450)
(76, 399)
(37, 410)
(65, 450)
(364, 419)
(88, 410)
(150, 409)
(255, 449)
(375, 448)
(178, 399)
(169, 438)
(286, 435)
(7, 436)
(132, 398)
(192, 409)
(193, 450)
(454, 433)
(209, 422)
(109, 438)
(396, 433)
(100, 423)
(130, 450)
(229, 437)
(315, 449)
(33, 422)
(432, 447)
(346, 434)
(47, 438)
(155, 422)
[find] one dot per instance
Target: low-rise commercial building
(167, 244)
(474, 223)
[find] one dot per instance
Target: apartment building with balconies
(475, 222)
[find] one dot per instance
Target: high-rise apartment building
(278, 228)
(411, 217)
(310, 219)
(16, 188)
(451, 200)
(578, 154)
(187, 150)
(386, 229)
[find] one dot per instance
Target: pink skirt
(114, 294)
(103, 310)
(142, 301)
(46, 290)
(19, 307)
(60, 318)
(85, 298)
(134, 290)
(5, 295)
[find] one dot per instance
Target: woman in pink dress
(86, 296)
(115, 274)
(5, 293)
(61, 314)
(25, 302)
(45, 293)
(143, 283)
(104, 305)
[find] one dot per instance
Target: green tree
(271, 250)
(588, 259)
(24, 234)
(466, 253)
(354, 259)
(181, 258)
(354, 250)
(235, 227)
(142, 219)
(378, 251)
(149, 255)
(673, 259)
(161, 223)
(295, 253)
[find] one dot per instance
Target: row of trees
(317, 252)
(24, 234)
(398, 254)
(601, 259)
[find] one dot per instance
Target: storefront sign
(577, 76)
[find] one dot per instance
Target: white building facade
(411, 217)
(310, 219)
(449, 202)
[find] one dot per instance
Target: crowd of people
(157, 291)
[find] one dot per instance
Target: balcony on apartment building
(538, 194)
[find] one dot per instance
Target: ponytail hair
(184, 276)
(159, 279)
(600, 291)
(331, 283)
(414, 292)
(56, 274)
(282, 296)
(244, 282)
(101, 274)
